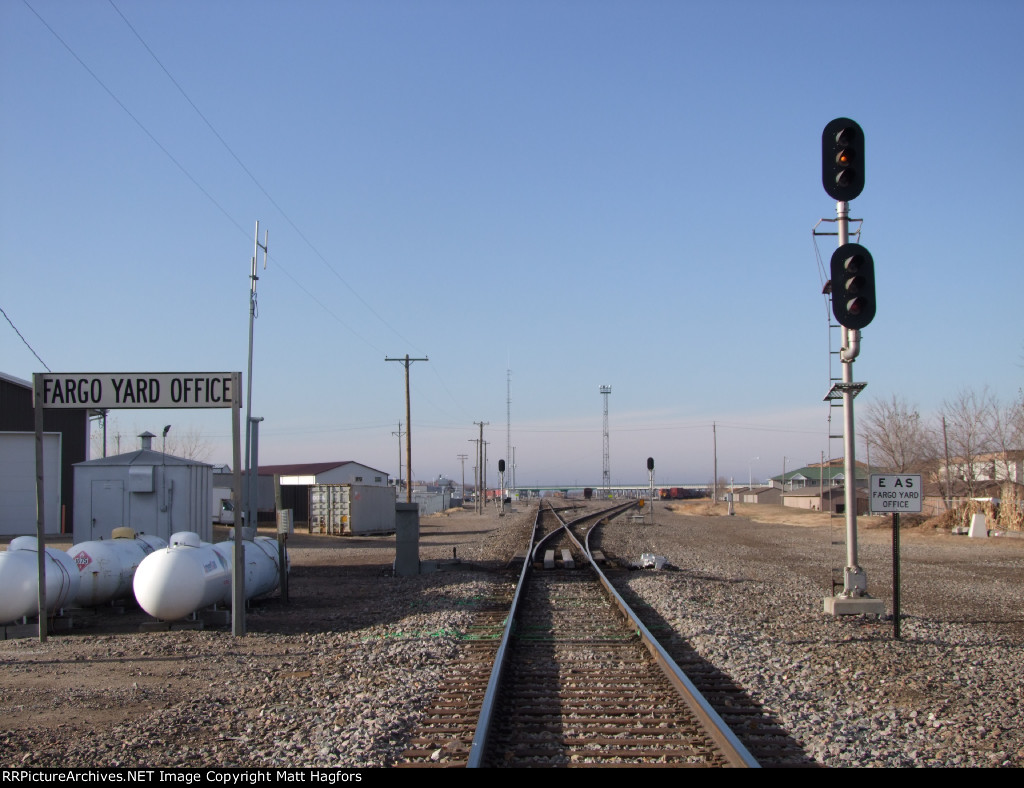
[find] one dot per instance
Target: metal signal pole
(853, 304)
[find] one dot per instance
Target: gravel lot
(336, 676)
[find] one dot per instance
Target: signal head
(853, 286)
(842, 159)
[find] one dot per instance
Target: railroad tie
(567, 562)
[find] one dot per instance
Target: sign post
(896, 493)
(136, 390)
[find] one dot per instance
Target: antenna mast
(606, 473)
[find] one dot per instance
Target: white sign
(137, 390)
(896, 494)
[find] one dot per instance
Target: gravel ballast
(338, 676)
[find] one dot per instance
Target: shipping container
(351, 509)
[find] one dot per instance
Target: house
(826, 499)
(938, 500)
(831, 473)
(757, 494)
(998, 466)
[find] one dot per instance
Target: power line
(259, 185)
(16, 331)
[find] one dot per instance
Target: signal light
(842, 159)
(853, 286)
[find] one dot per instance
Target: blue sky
(583, 193)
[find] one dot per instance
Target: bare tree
(187, 443)
(968, 422)
(897, 436)
(1007, 436)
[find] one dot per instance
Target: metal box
(351, 509)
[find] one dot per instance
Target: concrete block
(407, 539)
(978, 528)
(854, 606)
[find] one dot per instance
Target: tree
(187, 443)
(968, 424)
(898, 439)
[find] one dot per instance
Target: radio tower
(606, 472)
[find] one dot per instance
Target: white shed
(148, 491)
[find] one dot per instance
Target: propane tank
(262, 567)
(173, 582)
(107, 566)
(19, 579)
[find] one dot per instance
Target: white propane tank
(18, 574)
(173, 582)
(20, 588)
(107, 566)
(261, 564)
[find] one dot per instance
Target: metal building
(295, 480)
(66, 432)
(148, 491)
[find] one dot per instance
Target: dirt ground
(107, 669)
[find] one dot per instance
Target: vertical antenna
(253, 278)
(508, 419)
(606, 473)
(238, 624)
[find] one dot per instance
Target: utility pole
(408, 424)
(948, 498)
(486, 444)
(714, 447)
(462, 458)
(480, 466)
(476, 473)
(399, 434)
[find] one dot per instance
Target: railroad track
(572, 681)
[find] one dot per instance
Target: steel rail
(478, 748)
(733, 749)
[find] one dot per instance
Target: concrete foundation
(854, 606)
